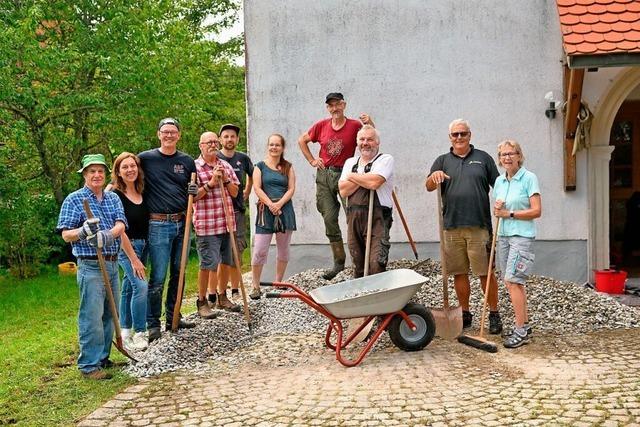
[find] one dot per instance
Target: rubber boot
(339, 258)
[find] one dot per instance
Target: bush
(26, 223)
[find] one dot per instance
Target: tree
(80, 76)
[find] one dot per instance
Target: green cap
(93, 159)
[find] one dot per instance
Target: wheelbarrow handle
(273, 295)
(275, 284)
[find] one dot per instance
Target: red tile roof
(592, 27)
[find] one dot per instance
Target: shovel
(355, 323)
(107, 286)
(186, 241)
(449, 319)
(236, 254)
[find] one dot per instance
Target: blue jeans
(95, 323)
(165, 247)
(133, 301)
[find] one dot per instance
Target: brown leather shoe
(98, 374)
(225, 304)
(204, 311)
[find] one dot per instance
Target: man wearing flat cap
(95, 323)
(167, 173)
(337, 138)
(243, 168)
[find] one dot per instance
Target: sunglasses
(459, 134)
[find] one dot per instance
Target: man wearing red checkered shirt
(210, 222)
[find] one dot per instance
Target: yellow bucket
(67, 268)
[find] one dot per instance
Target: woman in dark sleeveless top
(128, 182)
(274, 182)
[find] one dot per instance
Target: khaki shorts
(464, 247)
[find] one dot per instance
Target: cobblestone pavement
(586, 380)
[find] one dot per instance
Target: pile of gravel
(554, 307)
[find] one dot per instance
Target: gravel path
(560, 308)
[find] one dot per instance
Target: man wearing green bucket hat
(95, 325)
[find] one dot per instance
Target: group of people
(142, 215)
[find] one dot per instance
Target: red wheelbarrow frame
(335, 323)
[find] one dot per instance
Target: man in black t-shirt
(243, 167)
(167, 173)
(465, 175)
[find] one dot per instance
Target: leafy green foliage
(85, 76)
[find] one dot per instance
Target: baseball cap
(229, 126)
(334, 95)
(169, 121)
(93, 159)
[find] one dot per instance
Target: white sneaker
(125, 333)
(140, 341)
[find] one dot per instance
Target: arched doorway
(624, 186)
(599, 168)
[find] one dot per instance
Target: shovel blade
(448, 322)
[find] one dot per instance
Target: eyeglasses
(169, 132)
(459, 134)
(210, 142)
(509, 154)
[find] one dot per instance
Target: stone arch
(598, 158)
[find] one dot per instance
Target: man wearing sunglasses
(465, 175)
(167, 173)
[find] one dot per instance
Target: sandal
(255, 294)
(516, 340)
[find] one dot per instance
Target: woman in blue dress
(518, 203)
(274, 182)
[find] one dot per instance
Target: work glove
(89, 228)
(101, 239)
(192, 189)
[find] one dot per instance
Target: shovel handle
(443, 262)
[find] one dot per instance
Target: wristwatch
(511, 214)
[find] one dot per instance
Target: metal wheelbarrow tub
(384, 296)
(373, 295)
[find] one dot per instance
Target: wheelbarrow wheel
(401, 334)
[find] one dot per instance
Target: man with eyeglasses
(337, 138)
(167, 173)
(210, 222)
(243, 168)
(466, 175)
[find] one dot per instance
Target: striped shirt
(208, 213)
(72, 215)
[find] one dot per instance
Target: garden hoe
(186, 242)
(449, 319)
(236, 255)
(404, 224)
(480, 342)
(107, 286)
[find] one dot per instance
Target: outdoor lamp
(554, 101)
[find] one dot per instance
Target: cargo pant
(328, 201)
(357, 216)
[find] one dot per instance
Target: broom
(479, 341)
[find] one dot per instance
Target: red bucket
(610, 281)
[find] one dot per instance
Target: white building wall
(414, 65)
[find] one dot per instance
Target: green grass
(39, 380)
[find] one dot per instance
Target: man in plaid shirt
(210, 222)
(95, 324)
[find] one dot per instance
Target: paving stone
(547, 382)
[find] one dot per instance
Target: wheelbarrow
(385, 295)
